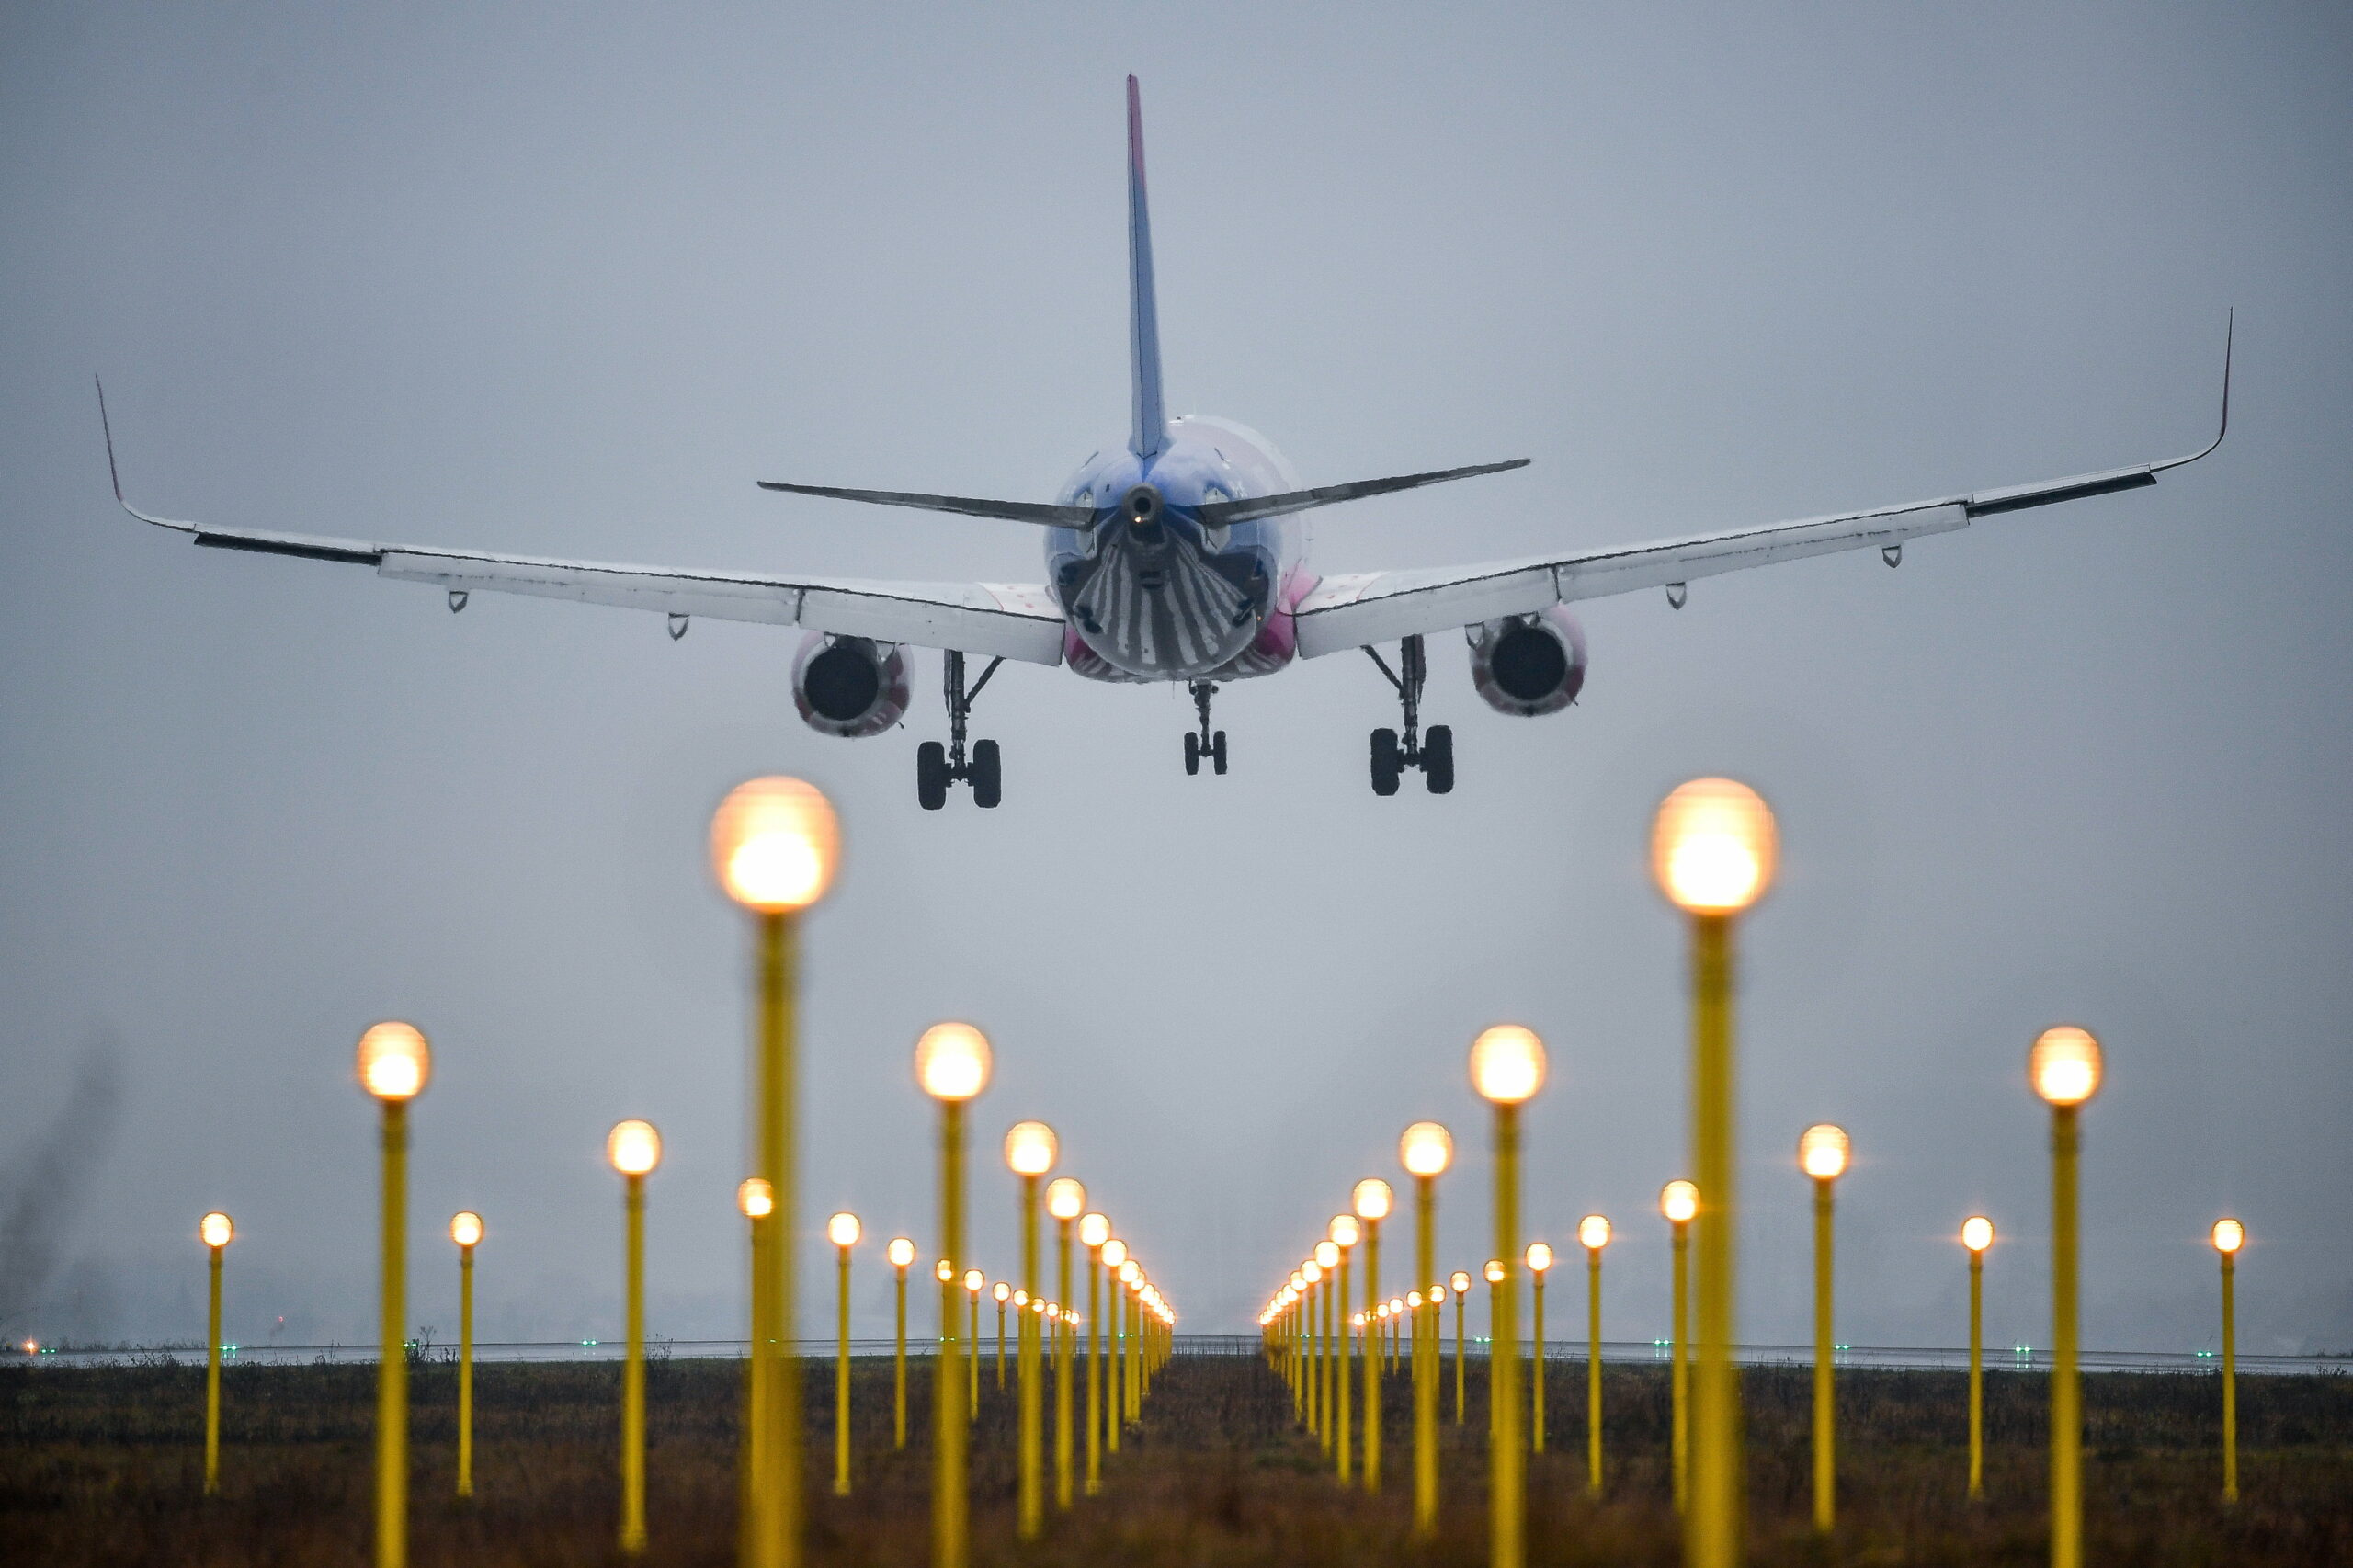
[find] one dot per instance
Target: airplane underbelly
(1168, 619)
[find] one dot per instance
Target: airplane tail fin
(1150, 430)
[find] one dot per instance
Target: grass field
(105, 1466)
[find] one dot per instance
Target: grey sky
(568, 283)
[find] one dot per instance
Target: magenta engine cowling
(1529, 665)
(850, 686)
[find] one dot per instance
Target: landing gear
(937, 767)
(1204, 742)
(1391, 754)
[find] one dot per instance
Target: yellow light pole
(1372, 1199)
(1346, 1231)
(216, 1231)
(395, 1064)
(2228, 1236)
(843, 1231)
(1712, 849)
(1976, 1235)
(975, 1282)
(1093, 1229)
(756, 1201)
(1593, 1234)
(1822, 1152)
(465, 1229)
(773, 847)
(633, 1148)
(2064, 1068)
(901, 1251)
(1132, 1276)
(1539, 1258)
(1460, 1283)
(1678, 1202)
(1115, 1261)
(1329, 1289)
(1312, 1272)
(951, 1332)
(1065, 1200)
(1425, 1149)
(1506, 1069)
(1494, 1274)
(1000, 1292)
(1030, 1149)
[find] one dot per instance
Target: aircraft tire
(988, 776)
(1386, 763)
(1217, 753)
(1437, 759)
(931, 776)
(1192, 754)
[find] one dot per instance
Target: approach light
(1508, 1065)
(394, 1061)
(1030, 1148)
(774, 843)
(1713, 846)
(1822, 1149)
(953, 1062)
(1425, 1149)
(2064, 1065)
(634, 1147)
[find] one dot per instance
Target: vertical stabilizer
(1151, 424)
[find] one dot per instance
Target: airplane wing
(1357, 609)
(997, 620)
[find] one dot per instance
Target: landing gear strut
(937, 767)
(1433, 754)
(1204, 742)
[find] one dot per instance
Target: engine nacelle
(1529, 665)
(849, 687)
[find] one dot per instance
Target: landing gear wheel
(931, 776)
(1217, 753)
(1204, 742)
(1193, 753)
(1386, 762)
(1438, 758)
(988, 780)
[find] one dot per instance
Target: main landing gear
(1204, 742)
(937, 767)
(1433, 752)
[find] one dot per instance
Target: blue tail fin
(1151, 426)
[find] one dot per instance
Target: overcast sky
(567, 281)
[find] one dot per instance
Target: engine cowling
(1529, 665)
(850, 686)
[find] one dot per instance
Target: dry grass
(105, 1466)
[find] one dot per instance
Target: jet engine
(1529, 665)
(849, 687)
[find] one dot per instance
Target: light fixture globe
(1396, 1305)
(1459, 1281)
(944, 1271)
(1508, 1065)
(2228, 1236)
(1311, 1271)
(1001, 1292)
(774, 843)
(1425, 1149)
(1977, 1233)
(755, 1198)
(901, 1251)
(1679, 1200)
(1298, 1281)
(1093, 1229)
(1413, 1299)
(1129, 1273)
(973, 1280)
(1822, 1149)
(1540, 1257)
(1372, 1198)
(216, 1230)
(1327, 1255)
(1494, 1271)
(1066, 1197)
(1593, 1233)
(1438, 1295)
(953, 1062)
(395, 1063)
(1346, 1231)
(843, 1230)
(1115, 1252)
(634, 1147)
(465, 1228)
(1030, 1148)
(1713, 846)
(2064, 1065)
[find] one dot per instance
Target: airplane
(1175, 557)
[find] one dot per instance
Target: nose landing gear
(1204, 742)
(937, 767)
(1391, 755)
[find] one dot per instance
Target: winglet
(2230, 332)
(115, 474)
(1150, 430)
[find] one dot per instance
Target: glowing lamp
(1066, 1197)
(1311, 1271)
(1093, 1229)
(465, 1227)
(394, 1061)
(1030, 1148)
(1494, 1271)
(216, 1230)
(944, 1271)
(1380, 1313)
(843, 1230)
(1020, 1299)
(1001, 1292)
(1508, 1065)
(1438, 1295)
(1713, 846)
(1593, 1233)
(973, 1280)
(2229, 1236)
(1327, 1253)
(755, 1198)
(1346, 1232)
(1115, 1252)
(1413, 1299)
(1977, 1233)
(634, 1147)
(901, 1251)
(1539, 1256)
(1298, 1281)
(1822, 1149)
(1370, 1199)
(1458, 1282)
(1679, 1200)
(2064, 1065)
(774, 843)
(953, 1062)
(1038, 1305)
(1425, 1149)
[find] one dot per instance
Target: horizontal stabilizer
(1252, 508)
(1044, 514)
